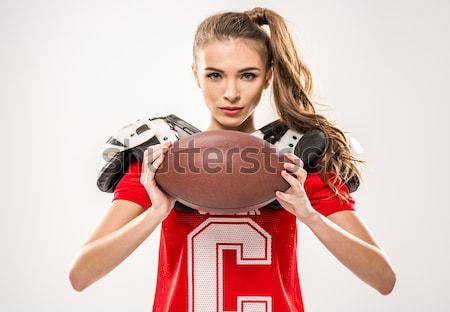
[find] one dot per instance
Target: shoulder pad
(357, 150)
(131, 141)
(355, 146)
(308, 146)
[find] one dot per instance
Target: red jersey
(240, 262)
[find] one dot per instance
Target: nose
(232, 93)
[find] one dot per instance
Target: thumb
(283, 196)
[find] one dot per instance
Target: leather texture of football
(222, 172)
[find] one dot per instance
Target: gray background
(73, 72)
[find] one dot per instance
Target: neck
(247, 126)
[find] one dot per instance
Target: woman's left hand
(295, 199)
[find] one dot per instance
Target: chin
(231, 122)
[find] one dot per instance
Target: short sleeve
(322, 197)
(130, 188)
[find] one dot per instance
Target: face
(231, 74)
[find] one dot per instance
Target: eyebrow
(240, 71)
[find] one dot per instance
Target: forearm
(99, 257)
(366, 261)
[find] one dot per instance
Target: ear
(267, 78)
(194, 71)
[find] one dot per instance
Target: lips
(231, 108)
(230, 111)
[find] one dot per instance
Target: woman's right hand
(162, 203)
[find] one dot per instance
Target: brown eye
(213, 76)
(249, 76)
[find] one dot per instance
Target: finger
(295, 159)
(152, 149)
(154, 165)
(152, 185)
(147, 163)
(290, 179)
(283, 196)
(151, 158)
(299, 172)
(148, 177)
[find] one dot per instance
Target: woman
(239, 262)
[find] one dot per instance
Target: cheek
(211, 92)
(209, 99)
(253, 92)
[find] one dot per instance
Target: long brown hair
(292, 83)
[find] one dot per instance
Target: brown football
(222, 171)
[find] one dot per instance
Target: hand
(295, 199)
(162, 203)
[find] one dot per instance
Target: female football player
(247, 261)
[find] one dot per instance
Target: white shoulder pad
(131, 140)
(132, 135)
(141, 131)
(355, 146)
(287, 142)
